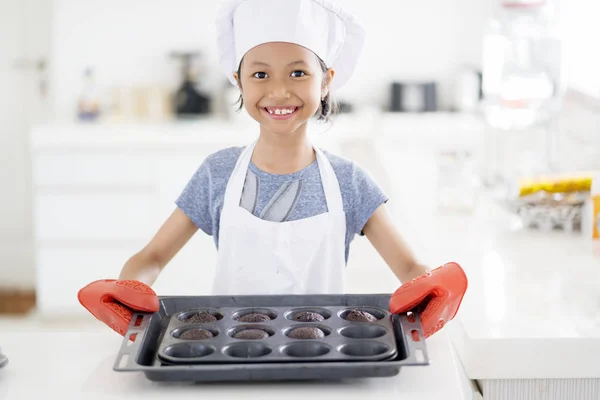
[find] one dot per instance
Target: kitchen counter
(529, 324)
(71, 364)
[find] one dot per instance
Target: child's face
(282, 85)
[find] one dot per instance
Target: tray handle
(408, 327)
(132, 341)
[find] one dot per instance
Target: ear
(327, 78)
(237, 79)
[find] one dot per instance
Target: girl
(282, 212)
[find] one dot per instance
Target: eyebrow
(267, 65)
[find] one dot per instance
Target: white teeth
(280, 111)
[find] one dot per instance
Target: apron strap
(235, 186)
(333, 194)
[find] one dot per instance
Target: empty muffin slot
(188, 350)
(307, 332)
(251, 332)
(363, 331)
(201, 316)
(308, 315)
(306, 349)
(247, 350)
(363, 349)
(194, 333)
(362, 314)
(254, 315)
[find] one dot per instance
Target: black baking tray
(152, 330)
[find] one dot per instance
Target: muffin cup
(186, 315)
(376, 312)
(292, 314)
(287, 331)
(247, 350)
(363, 349)
(176, 333)
(306, 349)
(239, 328)
(238, 314)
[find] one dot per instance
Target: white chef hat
(321, 26)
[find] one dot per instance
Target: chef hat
(318, 25)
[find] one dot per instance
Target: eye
(260, 75)
(298, 74)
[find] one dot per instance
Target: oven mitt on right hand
(114, 301)
(435, 295)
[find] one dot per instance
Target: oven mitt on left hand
(435, 295)
(114, 301)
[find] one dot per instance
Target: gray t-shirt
(279, 197)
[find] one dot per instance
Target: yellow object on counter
(595, 200)
(556, 184)
(596, 217)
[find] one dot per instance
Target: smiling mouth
(281, 112)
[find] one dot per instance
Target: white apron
(262, 257)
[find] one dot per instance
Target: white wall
(13, 215)
(24, 34)
(129, 41)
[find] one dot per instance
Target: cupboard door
(95, 216)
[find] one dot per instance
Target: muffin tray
(154, 344)
(343, 340)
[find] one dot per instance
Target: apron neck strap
(331, 186)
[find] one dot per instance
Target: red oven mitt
(435, 295)
(114, 301)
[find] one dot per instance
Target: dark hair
(327, 108)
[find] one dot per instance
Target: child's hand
(114, 301)
(435, 295)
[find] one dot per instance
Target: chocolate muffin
(307, 316)
(254, 317)
(251, 334)
(360, 316)
(201, 318)
(306, 333)
(196, 334)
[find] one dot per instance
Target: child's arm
(147, 264)
(386, 239)
(113, 301)
(436, 295)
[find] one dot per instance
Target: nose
(278, 89)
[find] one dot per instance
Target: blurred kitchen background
(108, 107)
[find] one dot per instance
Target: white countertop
(71, 364)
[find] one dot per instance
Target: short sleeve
(195, 199)
(366, 196)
